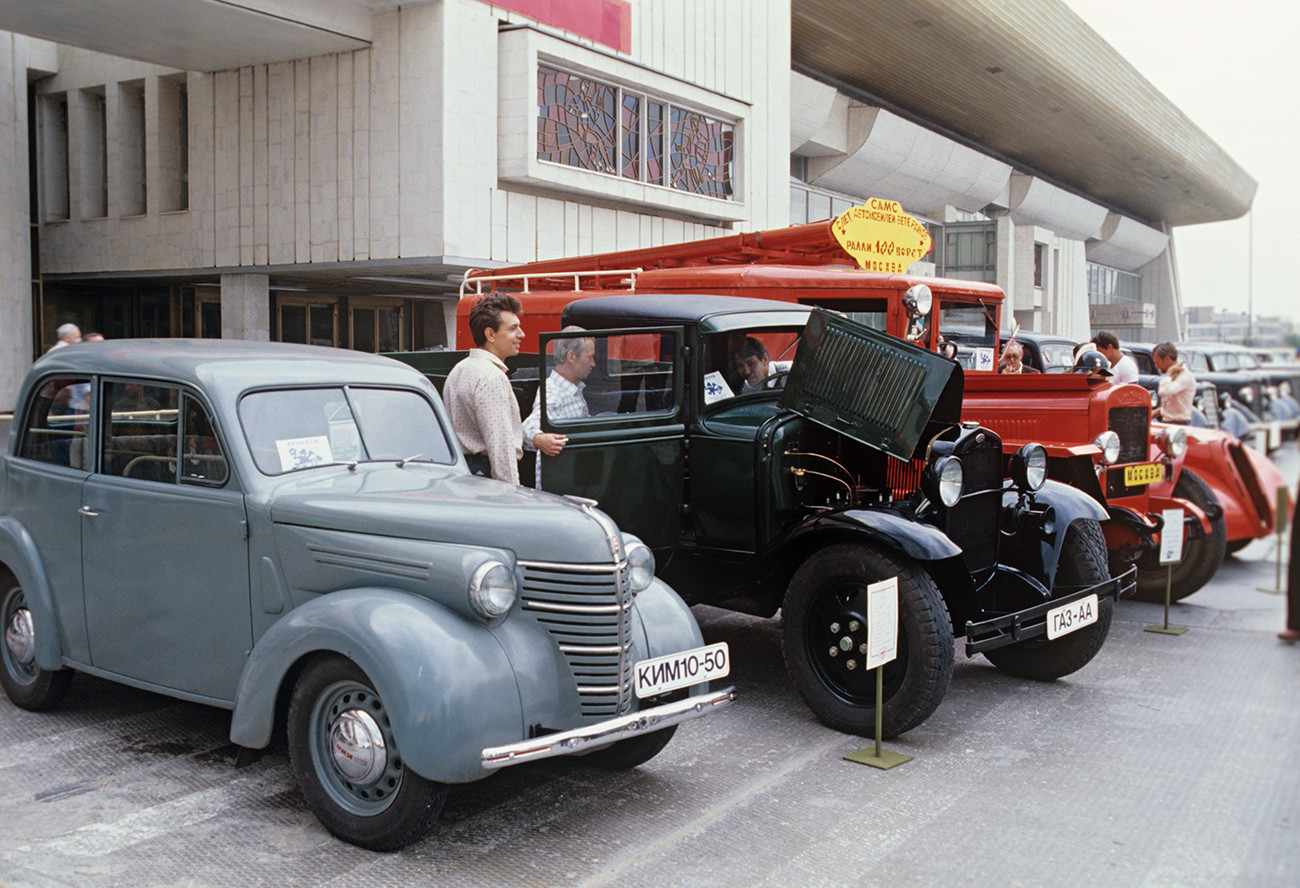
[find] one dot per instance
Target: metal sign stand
(1171, 552)
(1280, 528)
(882, 647)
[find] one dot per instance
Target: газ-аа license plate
(681, 670)
(1069, 617)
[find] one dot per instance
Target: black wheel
(1235, 546)
(824, 635)
(26, 684)
(1082, 564)
(348, 765)
(1202, 554)
(632, 752)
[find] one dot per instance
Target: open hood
(874, 388)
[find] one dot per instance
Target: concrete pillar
(246, 307)
(15, 222)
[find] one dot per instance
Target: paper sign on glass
(882, 622)
(1171, 537)
(983, 359)
(716, 388)
(303, 453)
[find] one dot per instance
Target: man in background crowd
(1177, 385)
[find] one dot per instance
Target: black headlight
(1029, 467)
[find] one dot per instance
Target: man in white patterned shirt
(480, 401)
(574, 360)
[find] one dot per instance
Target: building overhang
(1029, 81)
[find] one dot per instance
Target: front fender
(920, 541)
(1034, 549)
(446, 682)
(18, 553)
(667, 623)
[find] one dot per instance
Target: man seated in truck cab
(757, 368)
(574, 361)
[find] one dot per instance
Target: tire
(1202, 555)
(1082, 563)
(627, 754)
(384, 809)
(25, 683)
(826, 603)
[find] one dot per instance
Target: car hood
(422, 502)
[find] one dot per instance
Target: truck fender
(18, 553)
(446, 682)
(921, 542)
(1160, 503)
(1068, 505)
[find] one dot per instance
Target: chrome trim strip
(576, 568)
(602, 733)
(591, 649)
(577, 608)
(597, 689)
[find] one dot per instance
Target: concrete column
(15, 227)
(246, 307)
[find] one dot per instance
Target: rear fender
(446, 681)
(18, 553)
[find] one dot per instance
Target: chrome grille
(586, 611)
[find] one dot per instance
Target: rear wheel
(1202, 554)
(26, 684)
(1082, 564)
(825, 634)
(346, 760)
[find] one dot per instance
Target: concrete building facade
(327, 171)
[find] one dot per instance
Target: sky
(1234, 69)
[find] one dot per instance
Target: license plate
(681, 670)
(1146, 473)
(1071, 617)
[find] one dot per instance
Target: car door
(164, 542)
(629, 452)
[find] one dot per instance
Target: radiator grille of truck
(1133, 425)
(903, 478)
(973, 523)
(587, 615)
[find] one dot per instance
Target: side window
(140, 431)
(1195, 361)
(58, 424)
(608, 374)
(202, 461)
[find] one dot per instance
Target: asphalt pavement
(1167, 761)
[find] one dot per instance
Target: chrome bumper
(606, 732)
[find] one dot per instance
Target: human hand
(549, 443)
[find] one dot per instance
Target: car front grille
(973, 523)
(587, 613)
(1133, 425)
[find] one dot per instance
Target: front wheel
(346, 761)
(26, 684)
(1202, 554)
(824, 637)
(1082, 564)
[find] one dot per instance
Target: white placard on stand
(882, 622)
(1171, 537)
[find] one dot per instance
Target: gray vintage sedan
(291, 533)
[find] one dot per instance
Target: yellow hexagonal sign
(881, 237)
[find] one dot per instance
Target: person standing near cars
(574, 361)
(67, 334)
(480, 402)
(1177, 386)
(1122, 367)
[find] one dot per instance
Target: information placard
(1171, 537)
(882, 622)
(881, 237)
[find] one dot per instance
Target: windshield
(1058, 357)
(744, 362)
(292, 429)
(971, 324)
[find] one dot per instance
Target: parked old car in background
(291, 533)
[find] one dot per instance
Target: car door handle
(88, 512)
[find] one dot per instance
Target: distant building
(326, 172)
(1207, 324)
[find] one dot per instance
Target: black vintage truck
(845, 464)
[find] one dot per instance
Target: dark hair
(752, 348)
(487, 313)
(1106, 339)
(1166, 350)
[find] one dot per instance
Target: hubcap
(20, 637)
(358, 748)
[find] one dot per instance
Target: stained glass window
(597, 126)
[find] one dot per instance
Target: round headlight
(1155, 398)
(640, 565)
(1108, 441)
(949, 473)
(1029, 466)
(492, 589)
(1174, 441)
(918, 300)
